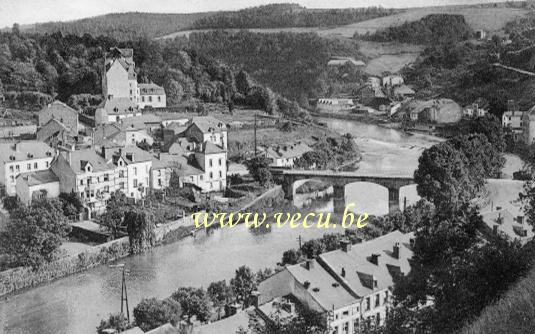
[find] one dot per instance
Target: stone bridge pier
(291, 179)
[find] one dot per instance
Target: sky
(34, 11)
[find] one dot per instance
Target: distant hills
(121, 26)
(128, 26)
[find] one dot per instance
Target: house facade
(87, 174)
(527, 124)
(151, 95)
(22, 157)
(119, 79)
(37, 186)
(115, 109)
(286, 154)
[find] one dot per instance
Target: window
(29, 166)
(121, 185)
(135, 182)
(159, 172)
(377, 300)
(368, 302)
(150, 98)
(12, 178)
(35, 165)
(106, 189)
(220, 174)
(121, 173)
(220, 161)
(11, 168)
(201, 177)
(211, 175)
(210, 162)
(17, 168)
(135, 170)
(159, 182)
(159, 99)
(82, 182)
(89, 180)
(143, 99)
(106, 177)
(47, 164)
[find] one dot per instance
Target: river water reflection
(77, 303)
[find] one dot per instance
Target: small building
(17, 130)
(285, 155)
(335, 105)
(61, 112)
(115, 109)
(403, 92)
(474, 111)
(481, 34)
(439, 111)
(22, 157)
(152, 96)
(513, 120)
(36, 186)
(392, 80)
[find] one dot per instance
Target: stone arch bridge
(291, 179)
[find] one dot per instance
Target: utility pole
(255, 150)
(124, 293)
(299, 239)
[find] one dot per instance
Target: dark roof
(211, 148)
(206, 123)
(80, 158)
(150, 89)
(24, 150)
(39, 177)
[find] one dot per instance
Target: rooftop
(323, 287)
(119, 105)
(208, 123)
(150, 89)
(359, 269)
(24, 150)
(39, 177)
(79, 159)
(58, 105)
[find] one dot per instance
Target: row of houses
(520, 123)
(109, 160)
(351, 287)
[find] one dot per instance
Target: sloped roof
(164, 329)
(133, 154)
(506, 223)
(177, 162)
(211, 148)
(58, 105)
(357, 265)
(207, 123)
(39, 177)
(323, 287)
(80, 158)
(50, 129)
(150, 89)
(24, 150)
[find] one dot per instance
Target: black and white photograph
(267, 167)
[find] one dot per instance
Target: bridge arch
(369, 197)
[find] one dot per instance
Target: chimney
(495, 229)
(345, 245)
(343, 273)
(411, 242)
(498, 208)
(232, 309)
(288, 306)
(499, 220)
(520, 219)
(374, 258)
(16, 147)
(395, 250)
(309, 264)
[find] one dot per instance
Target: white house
(286, 154)
(37, 185)
(119, 79)
(151, 95)
(22, 157)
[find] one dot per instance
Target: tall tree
(243, 283)
(34, 234)
(151, 313)
(193, 302)
(140, 225)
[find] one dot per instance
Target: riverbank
(17, 279)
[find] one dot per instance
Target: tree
(306, 322)
(243, 283)
(34, 234)
(490, 127)
(151, 313)
(291, 256)
(193, 302)
(243, 82)
(443, 178)
(259, 169)
(115, 321)
(114, 217)
(313, 248)
(484, 159)
(220, 293)
(140, 225)
(71, 204)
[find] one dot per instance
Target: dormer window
(12, 157)
(116, 109)
(30, 155)
(88, 168)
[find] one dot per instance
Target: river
(76, 304)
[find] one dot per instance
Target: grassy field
(478, 17)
